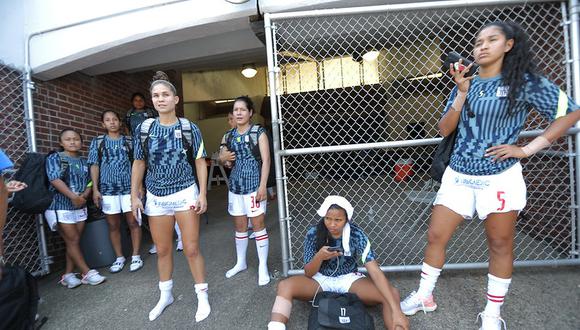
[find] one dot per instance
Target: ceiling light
(249, 70)
(237, 2)
(223, 101)
(371, 55)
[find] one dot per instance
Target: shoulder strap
(187, 139)
(254, 140)
(128, 141)
(151, 113)
(100, 147)
(146, 126)
(64, 173)
(187, 134)
(128, 118)
(228, 138)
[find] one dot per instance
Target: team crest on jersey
(502, 91)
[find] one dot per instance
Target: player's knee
(500, 245)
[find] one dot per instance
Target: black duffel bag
(339, 311)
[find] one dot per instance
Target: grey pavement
(539, 298)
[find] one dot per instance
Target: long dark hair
(517, 62)
(323, 236)
(247, 100)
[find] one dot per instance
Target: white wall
(12, 33)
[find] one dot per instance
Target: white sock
(262, 245)
(178, 231)
(203, 308)
(137, 257)
(165, 299)
(275, 325)
(241, 249)
(429, 276)
(120, 259)
(497, 288)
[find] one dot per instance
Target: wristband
(536, 145)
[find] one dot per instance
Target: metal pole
(272, 71)
(397, 7)
(464, 266)
(575, 52)
(392, 144)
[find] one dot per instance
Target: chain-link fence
(21, 232)
(349, 80)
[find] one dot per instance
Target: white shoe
(117, 266)
(491, 322)
(153, 250)
(136, 264)
(93, 277)
(179, 246)
(414, 303)
(70, 281)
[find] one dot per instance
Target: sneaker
(252, 235)
(136, 264)
(70, 280)
(179, 246)
(491, 322)
(153, 249)
(413, 303)
(93, 277)
(117, 266)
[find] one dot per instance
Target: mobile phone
(453, 58)
(335, 249)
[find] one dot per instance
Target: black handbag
(442, 155)
(339, 311)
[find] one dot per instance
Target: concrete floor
(539, 298)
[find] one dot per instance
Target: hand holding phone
(453, 59)
(335, 249)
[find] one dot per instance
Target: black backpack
(18, 299)
(127, 141)
(37, 197)
(339, 311)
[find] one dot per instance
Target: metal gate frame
(572, 36)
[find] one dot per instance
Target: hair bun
(160, 75)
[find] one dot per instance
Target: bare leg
(443, 224)
(366, 290)
(162, 232)
(295, 287)
(71, 233)
(114, 222)
(136, 232)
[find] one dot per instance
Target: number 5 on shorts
(501, 199)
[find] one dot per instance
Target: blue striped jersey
(360, 248)
(168, 170)
(245, 176)
(114, 166)
(137, 117)
(492, 124)
(77, 178)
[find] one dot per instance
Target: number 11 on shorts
(501, 200)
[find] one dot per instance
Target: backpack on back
(18, 299)
(253, 142)
(127, 141)
(37, 197)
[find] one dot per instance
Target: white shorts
(64, 216)
(167, 205)
(245, 205)
(338, 284)
(116, 204)
(498, 193)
